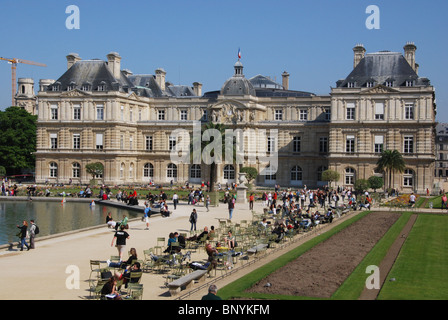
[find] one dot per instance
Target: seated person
(164, 210)
(230, 240)
(171, 240)
(109, 290)
(124, 264)
(196, 237)
(279, 231)
(126, 276)
(211, 234)
(211, 252)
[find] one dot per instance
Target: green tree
(208, 153)
(95, 169)
(17, 140)
(251, 173)
(375, 182)
(361, 185)
(391, 161)
(330, 176)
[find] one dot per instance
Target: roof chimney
(72, 58)
(285, 80)
(197, 87)
(409, 54)
(160, 78)
(114, 63)
(359, 54)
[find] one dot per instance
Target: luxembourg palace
(98, 112)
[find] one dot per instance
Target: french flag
(239, 53)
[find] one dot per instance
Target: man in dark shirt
(212, 291)
(121, 237)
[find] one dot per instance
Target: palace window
(408, 178)
(349, 176)
(195, 171)
(296, 173)
(148, 170)
(409, 111)
(161, 115)
(350, 144)
(296, 144)
(408, 144)
(379, 144)
(323, 144)
(53, 140)
(148, 144)
(76, 170)
(76, 141)
(99, 141)
(278, 115)
(100, 112)
(171, 171)
(350, 112)
(53, 170)
(76, 112)
(229, 172)
(379, 111)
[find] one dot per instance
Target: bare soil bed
(321, 270)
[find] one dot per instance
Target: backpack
(36, 231)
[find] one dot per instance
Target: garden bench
(186, 281)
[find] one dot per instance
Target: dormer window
(85, 87)
(71, 86)
(389, 83)
(370, 84)
(350, 85)
(409, 83)
(56, 87)
(102, 86)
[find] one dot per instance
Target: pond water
(53, 217)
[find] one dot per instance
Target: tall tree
(17, 140)
(208, 152)
(391, 161)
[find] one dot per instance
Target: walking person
(175, 200)
(121, 237)
(231, 206)
(147, 213)
(251, 201)
(193, 219)
(207, 202)
(33, 232)
(22, 234)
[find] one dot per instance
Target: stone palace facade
(98, 112)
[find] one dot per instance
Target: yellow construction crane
(14, 62)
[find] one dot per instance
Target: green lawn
(420, 271)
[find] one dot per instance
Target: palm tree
(391, 161)
(213, 164)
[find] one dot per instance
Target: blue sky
(198, 40)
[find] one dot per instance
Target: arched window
(148, 170)
(53, 170)
(195, 171)
(296, 173)
(349, 176)
(76, 170)
(408, 178)
(171, 171)
(229, 172)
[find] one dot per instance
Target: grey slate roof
(96, 72)
(381, 67)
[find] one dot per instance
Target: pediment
(379, 89)
(74, 93)
(133, 96)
